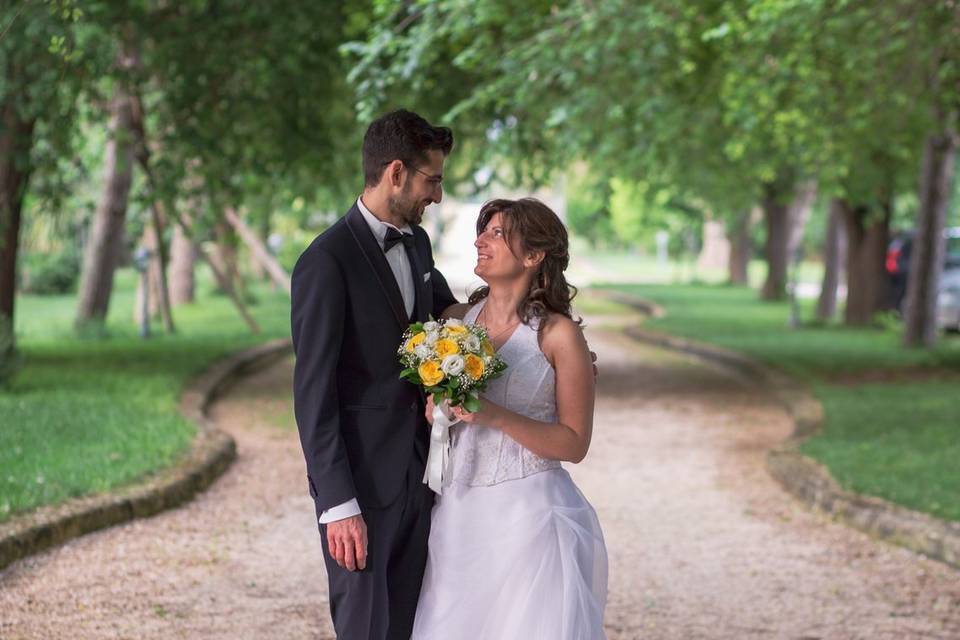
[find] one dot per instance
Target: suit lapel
(373, 254)
(422, 306)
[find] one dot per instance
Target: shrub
(50, 273)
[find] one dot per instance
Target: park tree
(49, 51)
(105, 243)
(937, 66)
(734, 102)
(637, 90)
(229, 101)
(867, 87)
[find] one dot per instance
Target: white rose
(431, 326)
(454, 322)
(432, 336)
(472, 343)
(423, 351)
(452, 365)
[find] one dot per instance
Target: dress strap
(471, 315)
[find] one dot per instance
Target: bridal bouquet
(453, 361)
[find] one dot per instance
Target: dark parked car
(898, 262)
(948, 302)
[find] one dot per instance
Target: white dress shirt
(403, 272)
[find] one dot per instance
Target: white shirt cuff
(346, 510)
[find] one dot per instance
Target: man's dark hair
(401, 135)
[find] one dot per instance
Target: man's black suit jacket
(360, 425)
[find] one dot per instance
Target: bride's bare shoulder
(457, 311)
(560, 332)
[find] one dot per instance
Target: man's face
(422, 186)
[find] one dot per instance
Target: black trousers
(380, 602)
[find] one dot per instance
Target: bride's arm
(568, 438)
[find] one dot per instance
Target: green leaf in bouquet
(410, 375)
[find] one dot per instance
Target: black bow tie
(393, 237)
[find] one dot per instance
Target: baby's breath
(421, 360)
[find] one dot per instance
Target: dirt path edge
(209, 456)
(804, 478)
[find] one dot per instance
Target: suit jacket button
(413, 406)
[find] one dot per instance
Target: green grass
(633, 267)
(83, 416)
(892, 428)
(898, 441)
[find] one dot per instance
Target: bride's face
(496, 258)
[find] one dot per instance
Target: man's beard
(405, 207)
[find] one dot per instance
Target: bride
(515, 549)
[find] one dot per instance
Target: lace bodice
(481, 455)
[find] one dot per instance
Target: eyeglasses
(432, 179)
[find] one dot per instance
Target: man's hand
(347, 541)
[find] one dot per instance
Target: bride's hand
(487, 414)
(461, 414)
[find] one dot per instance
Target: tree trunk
(834, 254)
(740, 249)
(715, 247)
(258, 269)
(183, 257)
(183, 221)
(158, 267)
(105, 241)
(148, 240)
(16, 139)
(927, 253)
(800, 208)
(776, 213)
(868, 233)
(225, 255)
(261, 256)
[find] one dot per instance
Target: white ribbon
(438, 460)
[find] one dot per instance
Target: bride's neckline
(480, 305)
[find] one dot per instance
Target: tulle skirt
(522, 559)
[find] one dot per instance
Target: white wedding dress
(515, 550)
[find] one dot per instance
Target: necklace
(494, 337)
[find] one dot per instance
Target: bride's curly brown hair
(538, 228)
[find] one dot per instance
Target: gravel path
(702, 543)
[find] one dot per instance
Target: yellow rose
(430, 373)
(455, 330)
(414, 341)
(446, 347)
(473, 366)
(488, 348)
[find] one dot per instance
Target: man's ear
(533, 259)
(395, 173)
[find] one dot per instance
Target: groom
(364, 435)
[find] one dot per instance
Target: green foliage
(247, 102)
(51, 53)
(55, 272)
(588, 210)
(715, 101)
